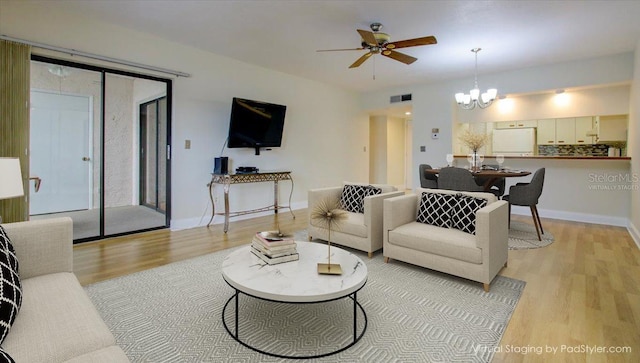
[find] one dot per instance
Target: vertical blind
(15, 61)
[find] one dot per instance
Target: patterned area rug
(173, 314)
(523, 236)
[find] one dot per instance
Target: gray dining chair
(427, 180)
(497, 188)
(452, 178)
(527, 194)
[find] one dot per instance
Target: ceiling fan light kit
(474, 98)
(377, 42)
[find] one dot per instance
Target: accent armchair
(362, 231)
(416, 232)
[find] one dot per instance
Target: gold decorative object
(327, 214)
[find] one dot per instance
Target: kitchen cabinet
(611, 128)
(546, 132)
(566, 131)
(515, 124)
(584, 127)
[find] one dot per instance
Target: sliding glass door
(88, 154)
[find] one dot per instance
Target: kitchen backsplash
(574, 150)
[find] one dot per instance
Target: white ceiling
(284, 35)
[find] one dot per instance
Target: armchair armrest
(521, 193)
(374, 208)
(42, 246)
(492, 233)
(316, 195)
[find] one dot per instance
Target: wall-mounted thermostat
(435, 133)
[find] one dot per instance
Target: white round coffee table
(295, 282)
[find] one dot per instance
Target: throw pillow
(352, 197)
(5, 357)
(463, 213)
(435, 209)
(10, 287)
(369, 190)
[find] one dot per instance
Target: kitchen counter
(555, 157)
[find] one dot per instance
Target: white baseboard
(179, 224)
(635, 234)
(575, 217)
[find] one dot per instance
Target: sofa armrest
(42, 246)
(492, 231)
(400, 210)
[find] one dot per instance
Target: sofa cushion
(10, 287)
(435, 209)
(463, 213)
(447, 242)
(354, 225)
(112, 354)
(58, 317)
(352, 197)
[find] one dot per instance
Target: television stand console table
(227, 179)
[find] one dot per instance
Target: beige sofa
(476, 257)
(362, 231)
(57, 321)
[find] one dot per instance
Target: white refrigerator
(514, 142)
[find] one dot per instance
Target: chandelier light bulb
(474, 98)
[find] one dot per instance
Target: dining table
(490, 176)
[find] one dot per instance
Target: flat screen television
(255, 124)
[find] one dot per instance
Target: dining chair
(497, 188)
(427, 180)
(527, 194)
(452, 178)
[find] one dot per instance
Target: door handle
(38, 182)
(86, 158)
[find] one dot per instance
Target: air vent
(400, 98)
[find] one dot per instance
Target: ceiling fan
(378, 43)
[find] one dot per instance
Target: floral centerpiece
(474, 142)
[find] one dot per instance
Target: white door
(60, 152)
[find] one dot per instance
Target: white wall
(325, 131)
(395, 151)
(378, 149)
(434, 106)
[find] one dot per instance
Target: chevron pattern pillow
(463, 213)
(435, 209)
(10, 287)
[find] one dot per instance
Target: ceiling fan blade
(361, 60)
(412, 42)
(337, 50)
(406, 59)
(368, 37)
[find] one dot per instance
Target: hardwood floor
(582, 292)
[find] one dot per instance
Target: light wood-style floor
(582, 292)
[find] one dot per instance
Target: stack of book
(274, 250)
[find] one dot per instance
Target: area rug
(523, 236)
(173, 314)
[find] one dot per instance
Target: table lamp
(10, 179)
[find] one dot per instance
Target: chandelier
(474, 98)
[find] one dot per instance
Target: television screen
(255, 124)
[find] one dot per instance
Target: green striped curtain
(15, 60)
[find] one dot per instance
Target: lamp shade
(10, 178)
